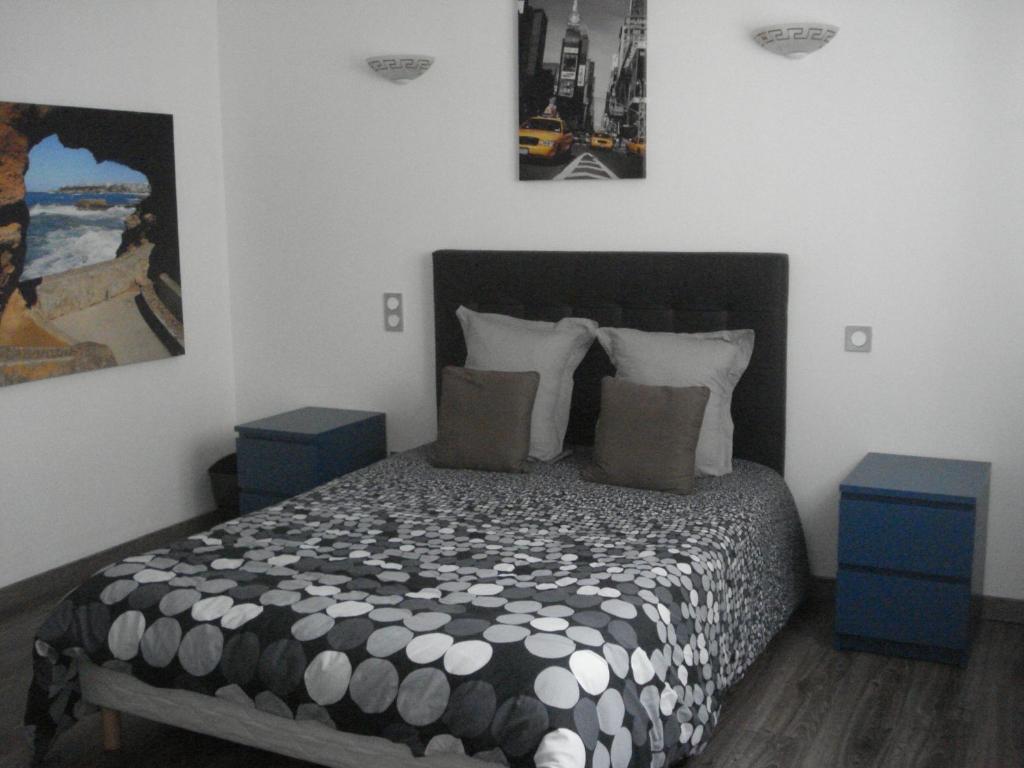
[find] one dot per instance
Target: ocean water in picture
(63, 236)
(77, 208)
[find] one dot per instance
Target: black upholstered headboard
(679, 292)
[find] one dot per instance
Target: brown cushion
(484, 420)
(647, 435)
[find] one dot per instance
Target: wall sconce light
(400, 68)
(795, 40)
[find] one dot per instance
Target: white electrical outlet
(858, 338)
(393, 314)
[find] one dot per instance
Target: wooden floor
(802, 705)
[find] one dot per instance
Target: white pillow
(554, 350)
(715, 360)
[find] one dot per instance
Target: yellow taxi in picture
(637, 146)
(602, 140)
(545, 137)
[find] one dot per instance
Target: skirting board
(992, 608)
(50, 585)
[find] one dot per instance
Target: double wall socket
(394, 316)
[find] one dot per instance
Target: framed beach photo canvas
(89, 267)
(582, 89)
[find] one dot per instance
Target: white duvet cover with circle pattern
(527, 620)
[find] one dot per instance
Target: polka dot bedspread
(527, 620)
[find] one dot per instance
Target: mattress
(529, 620)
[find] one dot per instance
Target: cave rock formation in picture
(89, 267)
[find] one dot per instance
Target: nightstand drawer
(275, 467)
(906, 537)
(249, 501)
(284, 455)
(343, 464)
(902, 610)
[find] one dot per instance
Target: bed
(412, 616)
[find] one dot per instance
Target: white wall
(887, 166)
(96, 459)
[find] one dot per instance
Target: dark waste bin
(224, 482)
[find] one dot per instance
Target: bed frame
(677, 292)
(680, 292)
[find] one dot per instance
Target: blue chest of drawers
(284, 455)
(911, 556)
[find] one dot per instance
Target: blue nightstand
(911, 556)
(287, 454)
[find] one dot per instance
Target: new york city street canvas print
(89, 266)
(582, 89)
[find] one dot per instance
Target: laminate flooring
(801, 705)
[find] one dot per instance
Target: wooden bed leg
(111, 729)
